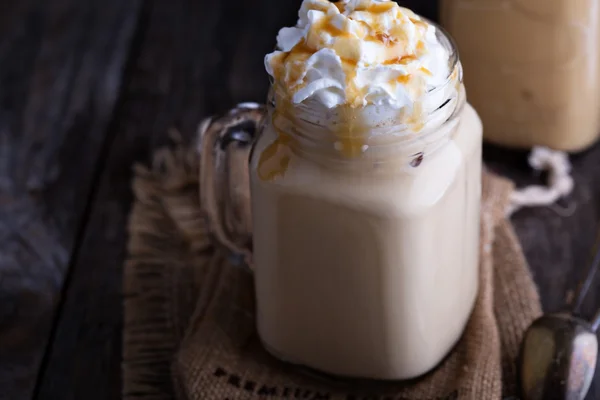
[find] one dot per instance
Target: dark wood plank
(60, 69)
(195, 59)
(426, 8)
(557, 240)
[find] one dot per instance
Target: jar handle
(225, 146)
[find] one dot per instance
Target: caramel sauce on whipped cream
(346, 56)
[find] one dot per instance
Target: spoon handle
(585, 286)
(596, 321)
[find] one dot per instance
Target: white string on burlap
(560, 182)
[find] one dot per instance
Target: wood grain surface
(190, 63)
(89, 88)
(60, 70)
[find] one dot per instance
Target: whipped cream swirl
(358, 53)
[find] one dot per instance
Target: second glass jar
(532, 68)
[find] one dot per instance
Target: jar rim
(451, 46)
(310, 138)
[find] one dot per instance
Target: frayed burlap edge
(159, 224)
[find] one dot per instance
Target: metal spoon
(559, 351)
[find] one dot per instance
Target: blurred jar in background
(532, 68)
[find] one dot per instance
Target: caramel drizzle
(275, 159)
(401, 60)
(385, 38)
(377, 8)
(351, 135)
(296, 58)
(426, 71)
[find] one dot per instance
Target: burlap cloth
(189, 305)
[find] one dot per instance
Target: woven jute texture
(189, 304)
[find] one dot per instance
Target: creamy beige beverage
(532, 68)
(365, 194)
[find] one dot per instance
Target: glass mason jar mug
(365, 233)
(364, 228)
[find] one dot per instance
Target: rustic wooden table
(88, 88)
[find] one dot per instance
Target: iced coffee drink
(366, 184)
(532, 68)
